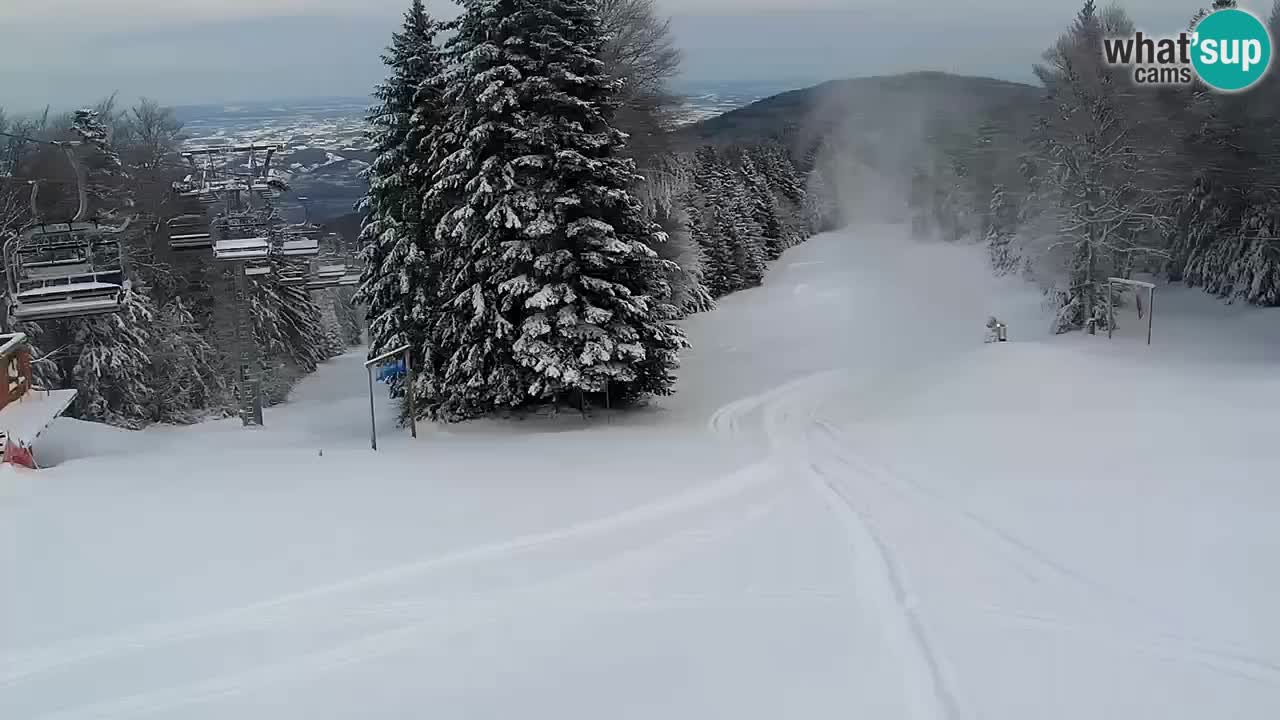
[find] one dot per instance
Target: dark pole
(1151, 312)
(1111, 313)
(413, 412)
(373, 420)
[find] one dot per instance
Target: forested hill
(877, 103)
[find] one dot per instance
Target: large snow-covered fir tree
(784, 182)
(708, 222)
(552, 288)
(397, 287)
(762, 207)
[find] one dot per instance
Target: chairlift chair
(292, 279)
(326, 276)
(241, 224)
(346, 278)
(242, 249)
(62, 270)
(65, 270)
(189, 232)
(298, 246)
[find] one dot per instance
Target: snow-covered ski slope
(853, 509)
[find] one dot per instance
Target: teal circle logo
(1232, 50)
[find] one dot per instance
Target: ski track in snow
(267, 613)
(446, 617)
(1233, 661)
(1166, 646)
(788, 414)
(1033, 564)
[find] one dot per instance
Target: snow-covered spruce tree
(708, 177)
(107, 181)
(554, 291)
(663, 195)
(788, 190)
(113, 370)
(396, 286)
(713, 251)
(186, 380)
(746, 236)
(1002, 222)
(762, 207)
(820, 202)
(290, 332)
(1091, 169)
(350, 326)
(689, 291)
(1225, 222)
(720, 276)
(732, 240)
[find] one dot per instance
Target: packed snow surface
(852, 509)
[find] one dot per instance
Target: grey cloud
(335, 49)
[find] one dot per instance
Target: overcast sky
(68, 52)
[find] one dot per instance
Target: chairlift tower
(253, 242)
(242, 236)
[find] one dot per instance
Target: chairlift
(241, 224)
(299, 247)
(189, 232)
(242, 249)
(292, 279)
(331, 271)
(346, 278)
(62, 270)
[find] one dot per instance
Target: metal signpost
(408, 367)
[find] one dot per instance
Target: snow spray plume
(869, 139)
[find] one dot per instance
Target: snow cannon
(996, 331)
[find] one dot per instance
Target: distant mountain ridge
(880, 103)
